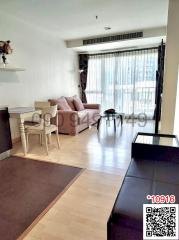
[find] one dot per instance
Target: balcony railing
(126, 99)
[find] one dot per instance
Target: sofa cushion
(70, 102)
(83, 117)
(88, 116)
(93, 115)
(61, 103)
(78, 104)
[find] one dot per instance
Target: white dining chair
(39, 105)
(44, 128)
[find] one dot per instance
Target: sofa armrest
(91, 106)
(67, 119)
(67, 112)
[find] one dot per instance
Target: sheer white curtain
(125, 81)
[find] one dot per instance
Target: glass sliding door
(125, 81)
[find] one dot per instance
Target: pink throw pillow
(78, 104)
(70, 102)
(62, 104)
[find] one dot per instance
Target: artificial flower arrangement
(5, 49)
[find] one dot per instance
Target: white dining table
(23, 114)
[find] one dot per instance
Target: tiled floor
(82, 212)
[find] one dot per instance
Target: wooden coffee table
(111, 116)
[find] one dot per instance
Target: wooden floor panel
(82, 212)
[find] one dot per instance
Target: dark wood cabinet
(5, 134)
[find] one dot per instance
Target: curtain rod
(131, 50)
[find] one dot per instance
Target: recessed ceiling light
(107, 28)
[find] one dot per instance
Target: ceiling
(72, 19)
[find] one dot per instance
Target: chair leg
(27, 141)
(58, 142)
(40, 139)
(46, 143)
(49, 138)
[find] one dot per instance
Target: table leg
(107, 120)
(23, 137)
(98, 123)
(121, 118)
(115, 124)
(49, 138)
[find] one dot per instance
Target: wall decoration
(5, 49)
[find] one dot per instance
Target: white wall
(49, 65)
(51, 68)
(171, 69)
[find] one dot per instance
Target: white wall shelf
(11, 69)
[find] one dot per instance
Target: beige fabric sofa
(72, 121)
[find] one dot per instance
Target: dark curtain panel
(83, 66)
(159, 84)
